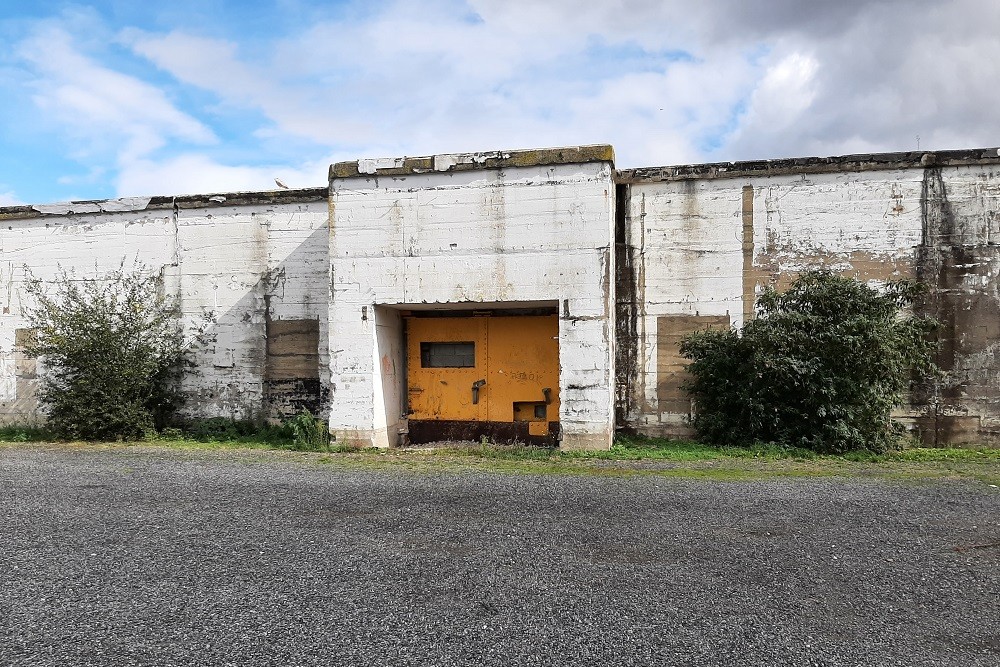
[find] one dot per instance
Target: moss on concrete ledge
(454, 162)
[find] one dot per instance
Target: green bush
(308, 433)
(821, 367)
(112, 351)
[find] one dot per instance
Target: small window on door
(448, 355)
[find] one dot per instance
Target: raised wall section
(512, 229)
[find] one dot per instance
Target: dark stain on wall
(960, 267)
(750, 275)
(422, 431)
(626, 315)
(291, 369)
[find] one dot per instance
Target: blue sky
(122, 98)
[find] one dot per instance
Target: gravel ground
(159, 557)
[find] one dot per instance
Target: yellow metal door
(523, 364)
(446, 368)
(483, 376)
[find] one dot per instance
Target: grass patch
(974, 454)
(640, 456)
(301, 432)
(629, 457)
(631, 448)
(23, 433)
(637, 447)
(640, 448)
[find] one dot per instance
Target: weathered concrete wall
(250, 272)
(701, 242)
(959, 258)
(92, 243)
(267, 286)
(512, 229)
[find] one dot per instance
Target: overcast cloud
(106, 101)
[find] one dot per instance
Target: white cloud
(293, 107)
(423, 78)
(95, 174)
(664, 81)
(10, 199)
(102, 105)
(194, 173)
(783, 94)
(880, 74)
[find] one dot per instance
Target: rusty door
(522, 358)
(477, 376)
(446, 362)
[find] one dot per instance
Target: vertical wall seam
(175, 218)
(749, 282)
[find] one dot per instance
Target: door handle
(475, 390)
(548, 395)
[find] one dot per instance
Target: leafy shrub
(308, 432)
(112, 349)
(821, 367)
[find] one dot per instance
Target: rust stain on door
(483, 376)
(440, 380)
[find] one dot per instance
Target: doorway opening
(486, 373)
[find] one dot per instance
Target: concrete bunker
(304, 299)
(472, 296)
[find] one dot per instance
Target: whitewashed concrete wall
(90, 244)
(706, 246)
(517, 235)
(694, 260)
(236, 264)
(225, 263)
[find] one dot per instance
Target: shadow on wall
(265, 356)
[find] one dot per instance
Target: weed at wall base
(308, 433)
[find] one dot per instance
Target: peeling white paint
(448, 161)
(67, 208)
(371, 166)
(8, 377)
(106, 206)
(124, 204)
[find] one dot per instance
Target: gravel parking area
(157, 557)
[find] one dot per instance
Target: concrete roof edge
(812, 165)
(163, 202)
(517, 158)
(452, 162)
